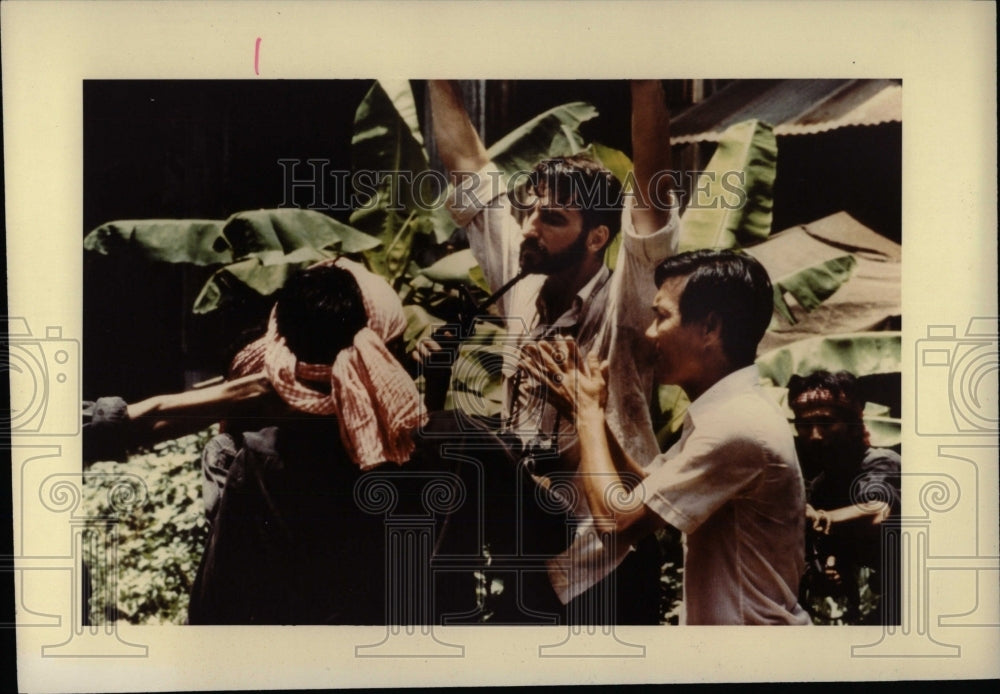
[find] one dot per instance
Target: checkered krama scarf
(376, 403)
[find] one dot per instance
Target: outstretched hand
(574, 384)
(427, 347)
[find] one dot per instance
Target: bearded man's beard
(538, 261)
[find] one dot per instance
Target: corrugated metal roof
(793, 107)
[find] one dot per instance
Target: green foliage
(828, 605)
(621, 166)
(454, 268)
(813, 285)
(862, 354)
(716, 217)
(160, 240)
(551, 134)
(670, 405)
(394, 210)
(255, 251)
(159, 541)
(270, 245)
(671, 574)
(476, 380)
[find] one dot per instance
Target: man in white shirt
(575, 210)
(731, 484)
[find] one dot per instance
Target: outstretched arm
(823, 520)
(461, 150)
(112, 427)
(651, 156)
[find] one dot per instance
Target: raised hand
(573, 383)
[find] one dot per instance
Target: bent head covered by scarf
(376, 402)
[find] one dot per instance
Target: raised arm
(650, 155)
(461, 150)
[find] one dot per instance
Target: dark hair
(319, 311)
(843, 386)
(583, 182)
(732, 285)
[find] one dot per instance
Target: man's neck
(560, 288)
(714, 368)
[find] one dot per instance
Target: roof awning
(793, 107)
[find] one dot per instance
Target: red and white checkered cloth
(376, 403)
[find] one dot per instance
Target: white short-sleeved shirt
(733, 486)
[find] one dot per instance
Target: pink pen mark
(256, 57)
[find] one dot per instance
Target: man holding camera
(574, 209)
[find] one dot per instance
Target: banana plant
(253, 251)
(732, 199)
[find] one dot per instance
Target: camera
(44, 381)
(956, 391)
(473, 365)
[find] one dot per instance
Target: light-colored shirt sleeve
(699, 475)
(480, 205)
(629, 315)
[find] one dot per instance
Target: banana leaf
(401, 95)
(419, 324)
(614, 160)
(454, 267)
(287, 230)
(553, 133)
(884, 432)
(387, 156)
(671, 403)
(814, 285)
(271, 245)
(459, 267)
(160, 240)
(720, 217)
(863, 354)
(780, 307)
(261, 274)
(258, 249)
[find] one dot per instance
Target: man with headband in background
(852, 490)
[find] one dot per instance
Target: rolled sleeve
(690, 486)
(650, 249)
(474, 194)
(480, 206)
